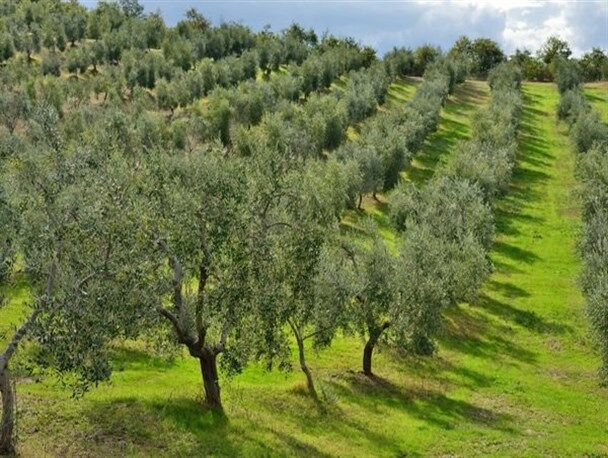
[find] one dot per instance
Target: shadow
(507, 289)
(425, 404)
(515, 253)
(402, 90)
(453, 128)
(120, 424)
(525, 318)
(442, 371)
(125, 357)
(298, 446)
(467, 331)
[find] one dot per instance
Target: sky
(384, 24)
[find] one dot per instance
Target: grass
(514, 375)
(454, 126)
(14, 311)
(597, 94)
(399, 92)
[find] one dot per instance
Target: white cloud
(387, 23)
(521, 32)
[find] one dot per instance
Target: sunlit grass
(597, 94)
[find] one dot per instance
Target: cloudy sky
(387, 23)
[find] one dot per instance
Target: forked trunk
(211, 382)
(7, 446)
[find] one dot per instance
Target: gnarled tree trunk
(211, 383)
(7, 446)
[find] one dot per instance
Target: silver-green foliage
(448, 225)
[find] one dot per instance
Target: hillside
(220, 239)
(514, 371)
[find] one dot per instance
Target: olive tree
(369, 165)
(451, 217)
(65, 211)
(593, 172)
(567, 74)
(589, 137)
(309, 289)
(376, 296)
(202, 220)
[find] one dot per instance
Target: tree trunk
(368, 350)
(310, 384)
(367, 355)
(360, 201)
(7, 446)
(211, 383)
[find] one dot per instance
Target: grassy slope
(454, 126)
(525, 342)
(597, 93)
(514, 374)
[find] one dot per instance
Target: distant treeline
(69, 36)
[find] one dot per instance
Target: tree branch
(17, 337)
(182, 335)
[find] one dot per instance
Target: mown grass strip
(524, 344)
(454, 127)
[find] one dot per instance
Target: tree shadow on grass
(462, 103)
(533, 156)
(402, 90)
(472, 333)
(125, 357)
(525, 318)
(506, 267)
(130, 423)
(431, 406)
(515, 253)
(181, 426)
(439, 369)
(507, 289)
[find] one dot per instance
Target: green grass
(514, 374)
(399, 92)
(454, 126)
(597, 94)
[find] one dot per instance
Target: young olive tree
(311, 292)
(376, 296)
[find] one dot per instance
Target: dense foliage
(133, 203)
(543, 66)
(448, 225)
